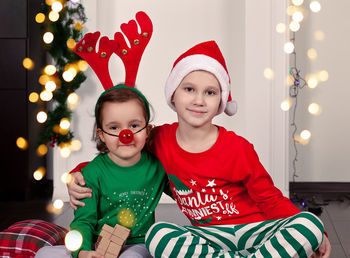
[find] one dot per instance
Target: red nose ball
(126, 136)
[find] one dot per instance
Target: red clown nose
(126, 136)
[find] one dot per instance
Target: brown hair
(114, 95)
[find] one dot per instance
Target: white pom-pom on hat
(205, 56)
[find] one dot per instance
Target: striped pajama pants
(297, 236)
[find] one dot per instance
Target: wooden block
(121, 232)
(110, 256)
(103, 246)
(117, 240)
(108, 228)
(105, 233)
(114, 248)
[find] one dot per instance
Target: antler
(131, 57)
(86, 48)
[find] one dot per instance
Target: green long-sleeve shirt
(124, 195)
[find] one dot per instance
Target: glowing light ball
(314, 109)
(78, 26)
(50, 2)
(50, 70)
(66, 178)
(73, 240)
(40, 18)
(285, 105)
(65, 152)
(28, 63)
(43, 79)
(33, 97)
(294, 26)
(298, 16)
(269, 73)
(83, 65)
(64, 123)
(312, 53)
(323, 75)
(305, 134)
(46, 95)
(58, 204)
(312, 82)
(315, 6)
(41, 117)
(319, 35)
(76, 145)
(48, 37)
(57, 6)
(50, 86)
(71, 43)
(297, 2)
(22, 143)
(68, 76)
(39, 173)
(41, 150)
(73, 100)
(289, 47)
(126, 217)
(281, 28)
(54, 16)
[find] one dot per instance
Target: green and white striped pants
(296, 236)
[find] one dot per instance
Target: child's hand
(77, 192)
(89, 254)
(324, 250)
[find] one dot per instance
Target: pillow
(25, 238)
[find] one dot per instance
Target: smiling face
(116, 116)
(197, 99)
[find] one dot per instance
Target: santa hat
(205, 56)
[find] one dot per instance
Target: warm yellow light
(312, 53)
(297, 2)
(40, 18)
(64, 123)
(57, 6)
(291, 9)
(46, 95)
(300, 140)
(68, 76)
(56, 129)
(54, 16)
(41, 117)
(48, 37)
(126, 217)
(312, 82)
(66, 178)
(71, 43)
(73, 101)
(289, 47)
(82, 65)
(28, 63)
(43, 79)
(50, 2)
(58, 204)
(323, 75)
(294, 26)
(39, 173)
(22, 143)
(298, 16)
(314, 109)
(50, 86)
(281, 28)
(33, 97)
(269, 73)
(305, 134)
(50, 70)
(41, 150)
(65, 152)
(78, 26)
(75, 1)
(289, 80)
(285, 105)
(75, 145)
(315, 6)
(73, 240)
(319, 35)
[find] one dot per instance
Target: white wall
(326, 157)
(244, 32)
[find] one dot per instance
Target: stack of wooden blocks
(111, 240)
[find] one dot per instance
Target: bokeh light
(298, 16)
(28, 63)
(297, 2)
(40, 18)
(314, 109)
(64, 123)
(269, 73)
(43, 79)
(78, 26)
(50, 86)
(83, 65)
(41, 117)
(305, 134)
(323, 76)
(48, 37)
(315, 6)
(312, 53)
(312, 82)
(66, 178)
(319, 35)
(22, 143)
(281, 28)
(75, 145)
(46, 95)
(289, 47)
(54, 16)
(50, 70)
(73, 101)
(58, 204)
(39, 173)
(71, 43)
(73, 240)
(57, 6)
(286, 105)
(41, 150)
(294, 26)
(33, 97)
(65, 152)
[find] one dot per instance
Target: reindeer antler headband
(131, 56)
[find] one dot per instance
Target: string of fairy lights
(296, 82)
(61, 23)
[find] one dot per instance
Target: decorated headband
(131, 57)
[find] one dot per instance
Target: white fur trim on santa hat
(194, 63)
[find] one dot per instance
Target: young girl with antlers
(217, 178)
